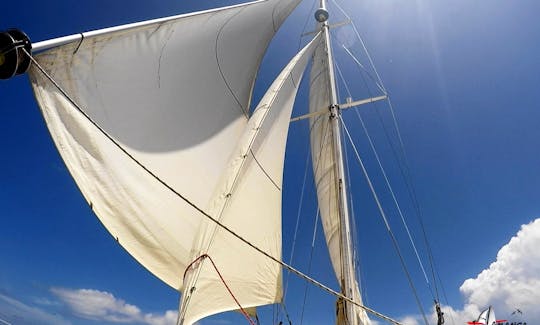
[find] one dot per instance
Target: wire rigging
(310, 264)
(385, 219)
(405, 169)
(387, 182)
(388, 185)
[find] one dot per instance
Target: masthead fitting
(13, 59)
(321, 15)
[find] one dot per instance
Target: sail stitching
(201, 211)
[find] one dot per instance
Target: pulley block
(13, 59)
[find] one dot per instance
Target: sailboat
(153, 121)
(487, 317)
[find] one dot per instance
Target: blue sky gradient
(463, 77)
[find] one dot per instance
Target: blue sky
(463, 77)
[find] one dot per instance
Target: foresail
(248, 200)
(175, 95)
(322, 151)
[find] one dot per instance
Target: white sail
(175, 95)
(322, 150)
(249, 198)
(487, 317)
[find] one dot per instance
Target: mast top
(321, 15)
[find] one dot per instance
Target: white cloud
(13, 311)
(104, 306)
(512, 281)
(410, 320)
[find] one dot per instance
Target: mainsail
(175, 95)
(324, 167)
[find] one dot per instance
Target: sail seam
(200, 210)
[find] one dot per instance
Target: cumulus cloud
(13, 311)
(512, 281)
(104, 306)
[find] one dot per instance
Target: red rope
(246, 315)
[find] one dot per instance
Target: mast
(348, 274)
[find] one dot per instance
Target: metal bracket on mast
(336, 25)
(341, 107)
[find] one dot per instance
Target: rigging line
(392, 193)
(206, 256)
(357, 257)
(403, 161)
(362, 42)
(310, 263)
(446, 298)
(381, 88)
(299, 212)
(305, 24)
(406, 174)
(200, 210)
(387, 182)
(317, 120)
(402, 148)
(286, 313)
(356, 251)
(383, 215)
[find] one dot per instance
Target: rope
(202, 257)
(299, 212)
(310, 263)
(383, 215)
(201, 211)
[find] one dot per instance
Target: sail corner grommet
(13, 59)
